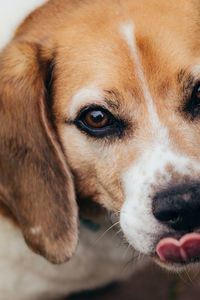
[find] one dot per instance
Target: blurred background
(151, 283)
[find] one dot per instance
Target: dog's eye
(193, 105)
(99, 122)
(97, 118)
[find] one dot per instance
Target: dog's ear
(35, 181)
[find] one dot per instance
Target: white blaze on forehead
(83, 97)
(128, 34)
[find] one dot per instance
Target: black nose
(179, 206)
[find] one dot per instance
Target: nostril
(167, 215)
(170, 217)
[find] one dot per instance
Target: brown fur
(4, 211)
(69, 45)
(36, 185)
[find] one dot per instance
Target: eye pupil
(97, 118)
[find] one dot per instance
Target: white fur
(148, 174)
(83, 97)
(12, 13)
(142, 180)
(196, 70)
(27, 276)
(129, 36)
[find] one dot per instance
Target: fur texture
(66, 57)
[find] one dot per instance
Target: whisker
(126, 251)
(189, 277)
(136, 256)
(117, 232)
(105, 232)
(196, 275)
(183, 279)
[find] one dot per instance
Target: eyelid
(86, 97)
(92, 107)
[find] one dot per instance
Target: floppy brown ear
(35, 181)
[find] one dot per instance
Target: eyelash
(114, 126)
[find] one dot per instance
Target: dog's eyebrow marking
(128, 34)
(196, 70)
(84, 96)
(93, 95)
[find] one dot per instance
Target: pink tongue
(184, 250)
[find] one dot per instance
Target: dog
(99, 120)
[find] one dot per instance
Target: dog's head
(108, 92)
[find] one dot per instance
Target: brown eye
(98, 122)
(96, 118)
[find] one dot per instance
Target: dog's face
(125, 91)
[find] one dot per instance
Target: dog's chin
(176, 267)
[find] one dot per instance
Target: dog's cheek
(82, 162)
(96, 169)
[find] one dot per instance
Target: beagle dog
(99, 124)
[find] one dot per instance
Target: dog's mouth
(183, 251)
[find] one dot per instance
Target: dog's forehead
(97, 47)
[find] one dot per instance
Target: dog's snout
(179, 207)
